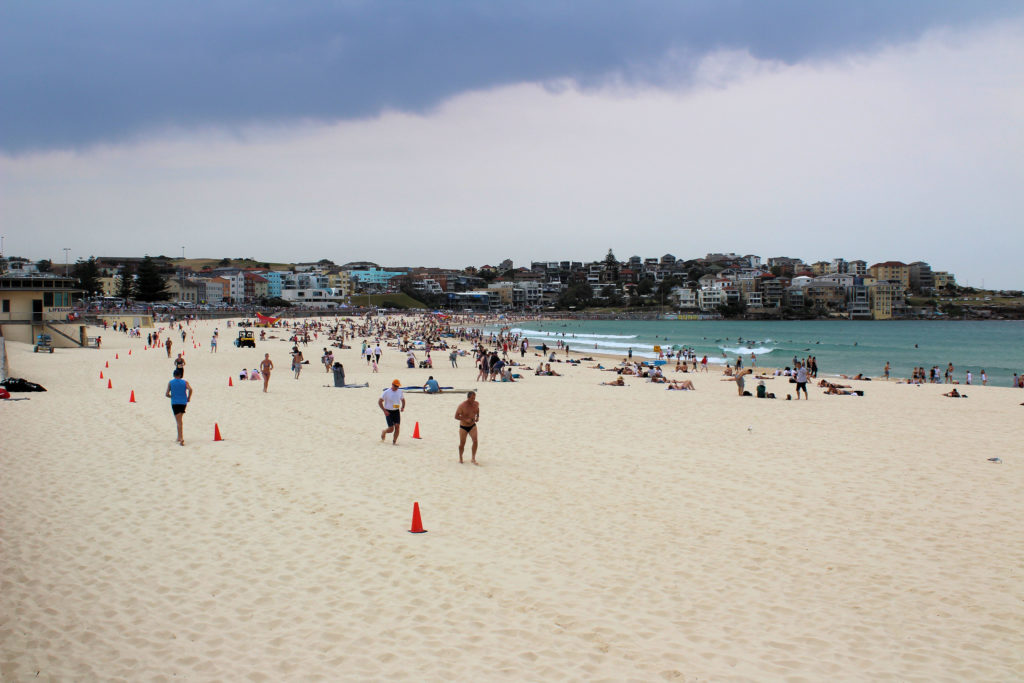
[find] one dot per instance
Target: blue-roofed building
(273, 279)
(374, 278)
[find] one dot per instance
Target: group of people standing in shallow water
(935, 375)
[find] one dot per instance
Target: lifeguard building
(39, 304)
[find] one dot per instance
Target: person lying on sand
(837, 390)
(681, 385)
(617, 382)
(957, 394)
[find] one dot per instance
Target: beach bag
(4, 393)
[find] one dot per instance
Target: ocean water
(840, 346)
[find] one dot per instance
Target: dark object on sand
(14, 384)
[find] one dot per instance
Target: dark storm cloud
(75, 73)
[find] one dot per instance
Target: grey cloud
(74, 73)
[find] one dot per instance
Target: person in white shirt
(801, 380)
(392, 402)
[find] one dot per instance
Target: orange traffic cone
(129, 352)
(216, 432)
(416, 431)
(101, 374)
(116, 357)
(106, 364)
(230, 383)
(132, 399)
(417, 524)
(109, 385)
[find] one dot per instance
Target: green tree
(44, 265)
(87, 273)
(611, 266)
(611, 295)
(150, 284)
(645, 286)
(733, 309)
(665, 287)
(126, 286)
(576, 296)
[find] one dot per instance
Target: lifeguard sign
(657, 349)
(264, 320)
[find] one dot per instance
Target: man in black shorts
(392, 402)
(468, 414)
(801, 381)
(180, 393)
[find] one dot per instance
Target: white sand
(611, 533)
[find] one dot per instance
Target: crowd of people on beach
(495, 357)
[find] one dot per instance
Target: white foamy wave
(570, 335)
(621, 345)
(744, 351)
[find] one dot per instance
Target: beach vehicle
(246, 338)
(44, 342)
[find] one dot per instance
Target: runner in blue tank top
(180, 393)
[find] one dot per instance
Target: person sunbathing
(548, 371)
(617, 382)
(681, 385)
(956, 394)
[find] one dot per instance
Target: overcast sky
(459, 133)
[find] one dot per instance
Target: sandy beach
(611, 533)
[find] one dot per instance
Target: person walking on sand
(265, 367)
(297, 360)
(468, 414)
(392, 402)
(801, 381)
(180, 393)
(167, 345)
(886, 370)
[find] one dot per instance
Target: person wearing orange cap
(392, 402)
